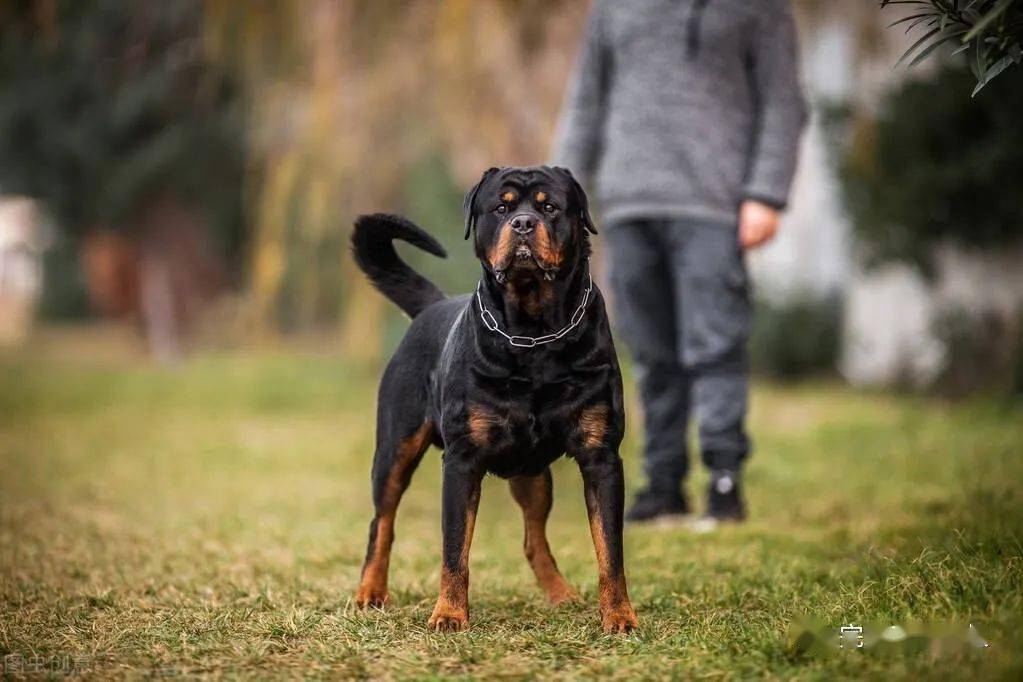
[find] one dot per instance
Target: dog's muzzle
(523, 252)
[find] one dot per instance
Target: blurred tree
(364, 105)
(935, 166)
(990, 31)
(112, 116)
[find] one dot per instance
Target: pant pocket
(716, 315)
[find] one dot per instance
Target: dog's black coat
(493, 407)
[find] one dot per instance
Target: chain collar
(490, 322)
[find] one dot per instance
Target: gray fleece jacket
(684, 108)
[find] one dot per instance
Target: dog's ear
(469, 204)
(580, 199)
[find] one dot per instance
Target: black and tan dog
(505, 381)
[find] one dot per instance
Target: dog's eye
(549, 208)
(502, 209)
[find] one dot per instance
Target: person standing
(684, 117)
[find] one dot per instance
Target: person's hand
(758, 223)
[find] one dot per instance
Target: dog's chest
(526, 433)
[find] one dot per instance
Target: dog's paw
(447, 618)
(371, 596)
(619, 619)
(562, 593)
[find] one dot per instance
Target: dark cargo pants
(682, 304)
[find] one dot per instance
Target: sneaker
(652, 505)
(724, 498)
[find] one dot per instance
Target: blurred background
(188, 172)
(188, 354)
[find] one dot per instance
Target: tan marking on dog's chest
(593, 425)
(531, 303)
(481, 421)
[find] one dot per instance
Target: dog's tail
(375, 255)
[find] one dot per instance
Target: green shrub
(984, 352)
(799, 338)
(1017, 359)
(937, 166)
(64, 295)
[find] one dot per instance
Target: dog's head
(529, 222)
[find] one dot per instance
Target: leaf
(913, 48)
(977, 61)
(995, 69)
(986, 21)
(981, 63)
(933, 46)
(911, 18)
(920, 21)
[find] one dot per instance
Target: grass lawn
(212, 519)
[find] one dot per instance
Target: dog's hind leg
(393, 465)
(533, 493)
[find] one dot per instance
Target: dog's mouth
(522, 260)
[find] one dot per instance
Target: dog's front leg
(461, 497)
(604, 487)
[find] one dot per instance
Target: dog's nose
(523, 223)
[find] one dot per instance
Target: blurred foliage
(1017, 359)
(798, 338)
(984, 351)
(109, 105)
(360, 105)
(990, 32)
(431, 191)
(935, 166)
(287, 118)
(63, 295)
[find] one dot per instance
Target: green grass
(211, 520)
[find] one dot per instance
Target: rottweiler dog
(504, 380)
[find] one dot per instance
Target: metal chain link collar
(490, 322)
